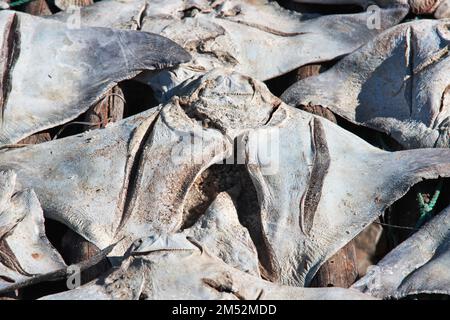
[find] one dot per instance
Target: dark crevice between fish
(76, 249)
(202, 193)
(72, 128)
(190, 11)
(224, 176)
(371, 245)
(51, 5)
(138, 98)
(322, 9)
(54, 231)
(411, 16)
(143, 296)
(57, 233)
(376, 138)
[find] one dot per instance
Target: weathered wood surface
(109, 109)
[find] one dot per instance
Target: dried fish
(25, 251)
(418, 265)
(111, 171)
(398, 84)
(131, 179)
(220, 230)
(256, 38)
(152, 271)
(78, 68)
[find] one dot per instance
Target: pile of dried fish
(250, 144)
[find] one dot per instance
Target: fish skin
(85, 63)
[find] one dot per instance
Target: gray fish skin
(71, 74)
(297, 241)
(220, 230)
(256, 38)
(398, 84)
(123, 14)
